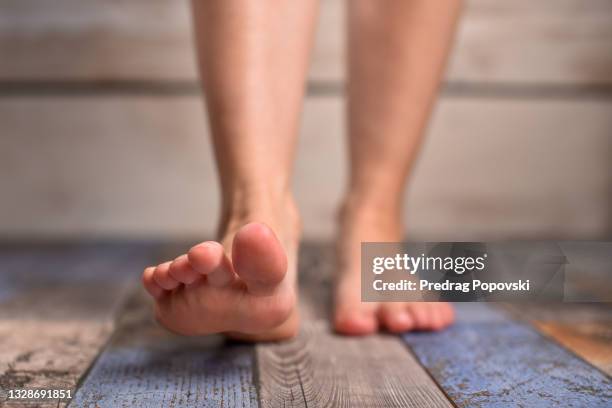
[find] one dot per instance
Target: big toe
(351, 315)
(259, 258)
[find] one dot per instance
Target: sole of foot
(246, 291)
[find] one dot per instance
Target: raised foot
(249, 294)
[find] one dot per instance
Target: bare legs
(253, 58)
(397, 51)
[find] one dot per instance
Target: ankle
(359, 213)
(276, 209)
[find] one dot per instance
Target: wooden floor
(73, 317)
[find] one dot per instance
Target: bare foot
(243, 286)
(353, 317)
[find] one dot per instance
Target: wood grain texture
(591, 341)
(321, 369)
(57, 307)
(585, 329)
(488, 360)
(550, 41)
(489, 168)
(145, 366)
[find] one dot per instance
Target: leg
(253, 59)
(397, 51)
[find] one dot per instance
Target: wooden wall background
(103, 131)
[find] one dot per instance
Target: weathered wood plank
(551, 41)
(489, 168)
(321, 369)
(585, 329)
(488, 360)
(146, 366)
(57, 308)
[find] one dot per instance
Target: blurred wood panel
(551, 41)
(591, 341)
(584, 328)
(142, 165)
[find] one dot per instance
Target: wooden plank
(550, 41)
(516, 169)
(97, 39)
(146, 366)
(320, 369)
(523, 41)
(584, 328)
(57, 308)
(591, 341)
(488, 360)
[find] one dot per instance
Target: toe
(356, 319)
(450, 313)
(351, 315)
(209, 258)
(162, 277)
(447, 314)
(440, 315)
(436, 317)
(181, 270)
(421, 314)
(430, 316)
(149, 283)
(395, 317)
(259, 258)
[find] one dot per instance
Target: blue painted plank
(63, 282)
(166, 373)
(68, 281)
(30, 267)
(489, 360)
